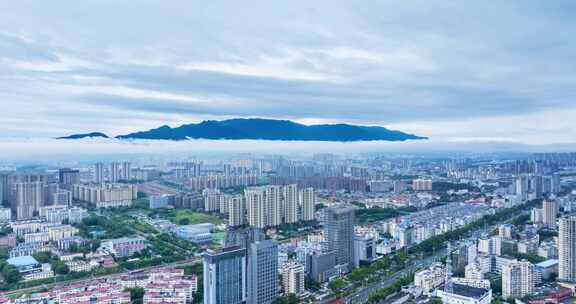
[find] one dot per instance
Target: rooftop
(22, 261)
(547, 263)
(467, 291)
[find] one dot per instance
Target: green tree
(136, 294)
(60, 267)
(436, 300)
(11, 274)
(289, 299)
(337, 285)
(184, 221)
(43, 257)
(311, 284)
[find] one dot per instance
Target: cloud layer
(457, 71)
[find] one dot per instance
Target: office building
(224, 276)
(567, 249)
(365, 249)
(321, 266)
(339, 234)
(262, 272)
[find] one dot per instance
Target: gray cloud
(121, 65)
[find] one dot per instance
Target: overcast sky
(451, 70)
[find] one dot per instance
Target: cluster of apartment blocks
(106, 195)
(262, 207)
(27, 193)
(42, 235)
(200, 183)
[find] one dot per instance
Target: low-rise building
(5, 215)
(429, 279)
(123, 247)
(547, 269)
(199, 233)
(160, 201)
(8, 241)
(463, 294)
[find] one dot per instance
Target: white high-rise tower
(567, 249)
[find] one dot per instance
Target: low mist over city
(284, 152)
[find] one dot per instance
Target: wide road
(364, 293)
(108, 276)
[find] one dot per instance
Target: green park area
(188, 217)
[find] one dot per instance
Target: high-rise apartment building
(422, 185)
(549, 212)
(567, 249)
(273, 198)
(5, 184)
(114, 173)
(68, 177)
(290, 204)
(490, 245)
(256, 207)
(262, 274)
(126, 172)
(307, 204)
(339, 234)
(517, 279)
(98, 175)
(522, 186)
(224, 277)
(27, 195)
(212, 199)
(235, 210)
(536, 185)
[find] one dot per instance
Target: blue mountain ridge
(86, 135)
(267, 129)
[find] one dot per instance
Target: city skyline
(430, 68)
